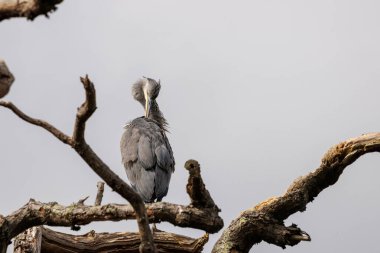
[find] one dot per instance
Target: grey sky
(256, 91)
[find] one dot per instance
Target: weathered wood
(6, 79)
(35, 213)
(199, 195)
(265, 220)
(29, 241)
(117, 242)
(43, 240)
(29, 9)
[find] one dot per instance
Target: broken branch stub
(6, 79)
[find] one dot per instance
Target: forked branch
(265, 221)
(90, 157)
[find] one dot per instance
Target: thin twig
(53, 130)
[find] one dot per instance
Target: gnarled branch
(199, 195)
(29, 9)
(35, 213)
(265, 221)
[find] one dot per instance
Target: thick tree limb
(96, 164)
(52, 241)
(35, 213)
(28, 9)
(265, 221)
(4, 241)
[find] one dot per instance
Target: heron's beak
(148, 103)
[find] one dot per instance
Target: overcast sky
(256, 91)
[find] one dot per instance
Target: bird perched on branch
(145, 149)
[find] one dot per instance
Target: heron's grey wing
(164, 158)
(162, 183)
(164, 169)
(145, 152)
(128, 144)
(144, 181)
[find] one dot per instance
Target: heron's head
(146, 91)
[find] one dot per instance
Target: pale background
(256, 91)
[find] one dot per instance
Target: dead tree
(263, 222)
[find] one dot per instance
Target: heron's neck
(157, 115)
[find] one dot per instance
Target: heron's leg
(154, 227)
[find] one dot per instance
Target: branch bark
(35, 213)
(57, 242)
(28, 9)
(265, 221)
(30, 241)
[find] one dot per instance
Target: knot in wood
(192, 166)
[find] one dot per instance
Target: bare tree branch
(96, 164)
(52, 241)
(57, 133)
(265, 221)
(29, 9)
(35, 213)
(85, 110)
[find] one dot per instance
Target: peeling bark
(265, 221)
(28, 9)
(29, 242)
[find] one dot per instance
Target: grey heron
(145, 149)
